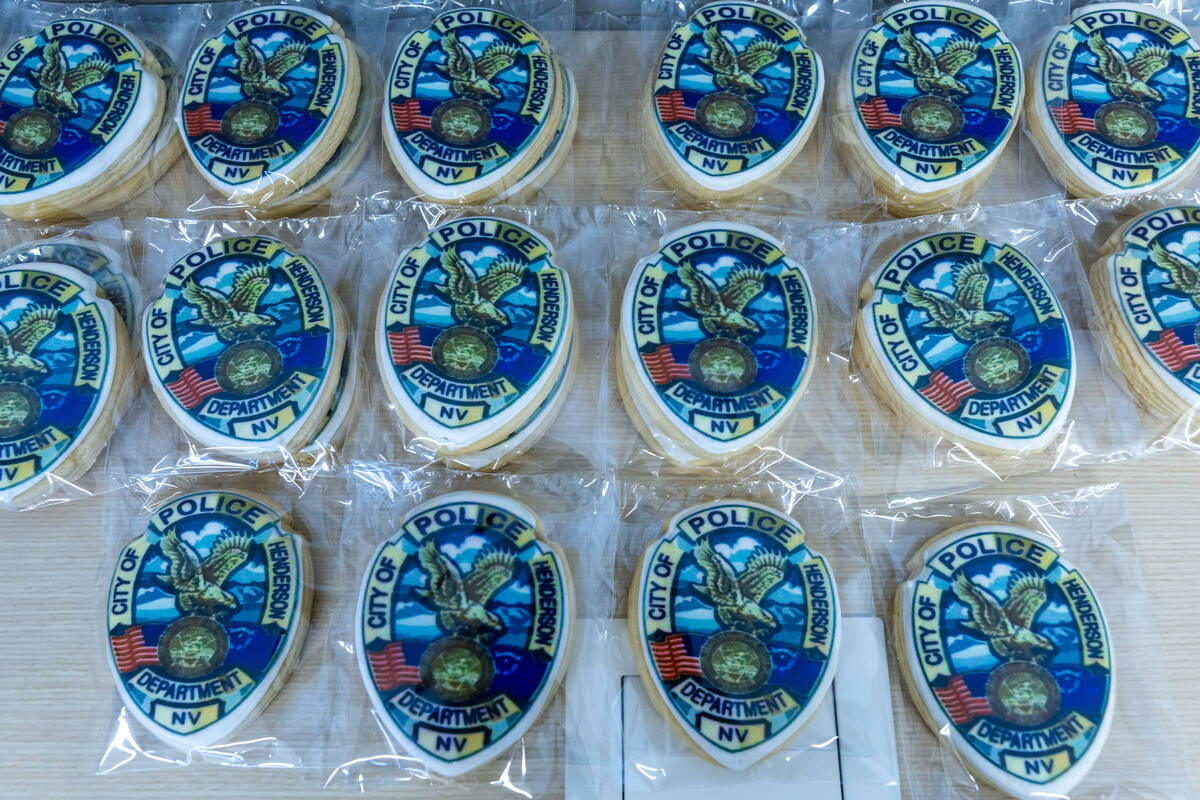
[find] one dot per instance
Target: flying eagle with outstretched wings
(734, 71)
(462, 600)
(1185, 276)
(722, 311)
(261, 78)
(197, 585)
(57, 84)
(738, 598)
(1129, 80)
(965, 314)
(470, 76)
(934, 74)
(473, 300)
(17, 361)
(1007, 628)
(234, 317)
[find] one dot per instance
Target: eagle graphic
(722, 311)
(934, 74)
(462, 600)
(473, 77)
(197, 584)
(964, 314)
(57, 84)
(261, 78)
(234, 317)
(1007, 628)
(734, 71)
(473, 300)
(17, 361)
(1129, 80)
(1185, 276)
(738, 598)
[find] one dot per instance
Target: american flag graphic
(663, 367)
(200, 120)
(876, 115)
(960, 704)
(406, 346)
(671, 658)
(389, 669)
(190, 389)
(672, 108)
(131, 650)
(1069, 119)
(1174, 353)
(945, 393)
(407, 116)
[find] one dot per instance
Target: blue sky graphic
(1174, 308)
(979, 76)
(224, 88)
(1171, 82)
(767, 308)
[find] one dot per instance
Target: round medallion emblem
(726, 115)
(461, 122)
(31, 131)
(249, 122)
(1022, 693)
(996, 365)
(722, 365)
(456, 669)
(1126, 124)
(735, 662)
(20, 408)
(464, 352)
(249, 367)
(192, 646)
(931, 118)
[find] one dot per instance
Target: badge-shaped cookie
(718, 327)
(63, 354)
(473, 331)
(932, 97)
(968, 336)
(244, 345)
(1005, 649)
(735, 97)
(463, 628)
(737, 624)
(267, 101)
(1148, 291)
(473, 100)
(79, 102)
(206, 613)
(1114, 107)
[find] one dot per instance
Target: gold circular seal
(735, 662)
(31, 131)
(726, 115)
(20, 408)
(192, 646)
(456, 669)
(1022, 693)
(465, 352)
(996, 365)
(1126, 124)
(249, 367)
(461, 122)
(931, 118)
(722, 365)
(249, 122)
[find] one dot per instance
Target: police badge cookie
(244, 346)
(79, 103)
(63, 355)
(928, 103)
(1005, 650)
(206, 613)
(473, 102)
(463, 628)
(737, 622)
(1115, 107)
(267, 101)
(717, 333)
(473, 332)
(967, 336)
(1148, 291)
(736, 95)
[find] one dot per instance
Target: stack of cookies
(479, 108)
(81, 108)
(473, 340)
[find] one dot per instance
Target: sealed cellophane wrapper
(430, 695)
(645, 713)
(1080, 548)
(732, 334)
(250, 356)
(486, 335)
(482, 101)
(67, 292)
(212, 604)
(1136, 253)
(976, 352)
